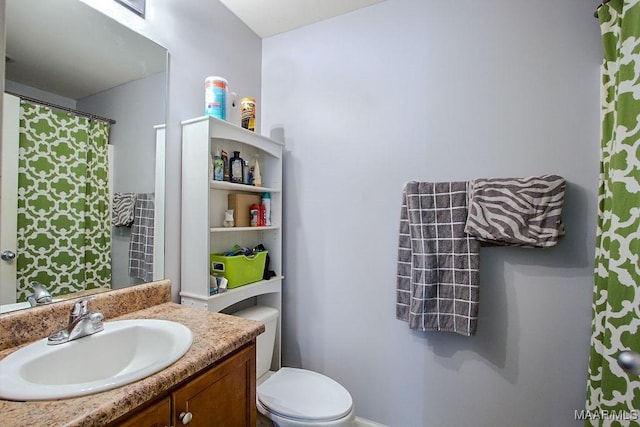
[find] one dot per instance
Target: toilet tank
(266, 340)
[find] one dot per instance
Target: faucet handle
(80, 308)
(40, 295)
(82, 322)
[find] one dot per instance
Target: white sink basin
(126, 351)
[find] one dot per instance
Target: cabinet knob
(185, 417)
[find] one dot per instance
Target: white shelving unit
(204, 202)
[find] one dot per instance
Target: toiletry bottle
(218, 167)
(266, 202)
(245, 173)
(251, 169)
(261, 215)
(236, 165)
(254, 214)
(257, 178)
(225, 165)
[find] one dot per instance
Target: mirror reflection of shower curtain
(64, 234)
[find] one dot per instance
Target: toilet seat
(303, 395)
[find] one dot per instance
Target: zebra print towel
(517, 211)
(438, 264)
(122, 209)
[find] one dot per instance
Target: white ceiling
(269, 17)
(55, 45)
(70, 49)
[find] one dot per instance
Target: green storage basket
(239, 269)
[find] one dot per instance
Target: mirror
(68, 54)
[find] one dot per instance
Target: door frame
(9, 196)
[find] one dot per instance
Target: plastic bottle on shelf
(225, 165)
(245, 173)
(266, 202)
(261, 215)
(257, 178)
(218, 167)
(251, 169)
(254, 215)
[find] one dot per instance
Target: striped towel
(437, 286)
(141, 244)
(122, 209)
(517, 211)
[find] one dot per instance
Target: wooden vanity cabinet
(156, 415)
(222, 395)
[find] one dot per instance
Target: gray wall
(203, 38)
(136, 107)
(437, 91)
(42, 95)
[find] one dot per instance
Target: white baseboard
(361, 422)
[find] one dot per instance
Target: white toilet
(295, 397)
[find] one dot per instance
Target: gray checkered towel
(438, 263)
(141, 244)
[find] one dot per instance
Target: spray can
(215, 97)
(266, 202)
(248, 113)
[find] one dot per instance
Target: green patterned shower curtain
(613, 396)
(64, 234)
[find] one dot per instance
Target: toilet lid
(304, 395)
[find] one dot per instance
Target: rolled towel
(122, 209)
(517, 211)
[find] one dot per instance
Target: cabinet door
(156, 415)
(224, 396)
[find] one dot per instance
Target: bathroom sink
(126, 351)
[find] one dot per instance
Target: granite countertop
(214, 336)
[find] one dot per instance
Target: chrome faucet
(82, 322)
(40, 295)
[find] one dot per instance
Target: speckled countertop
(214, 336)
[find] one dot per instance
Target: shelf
(205, 201)
(232, 229)
(226, 185)
(221, 129)
(221, 301)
